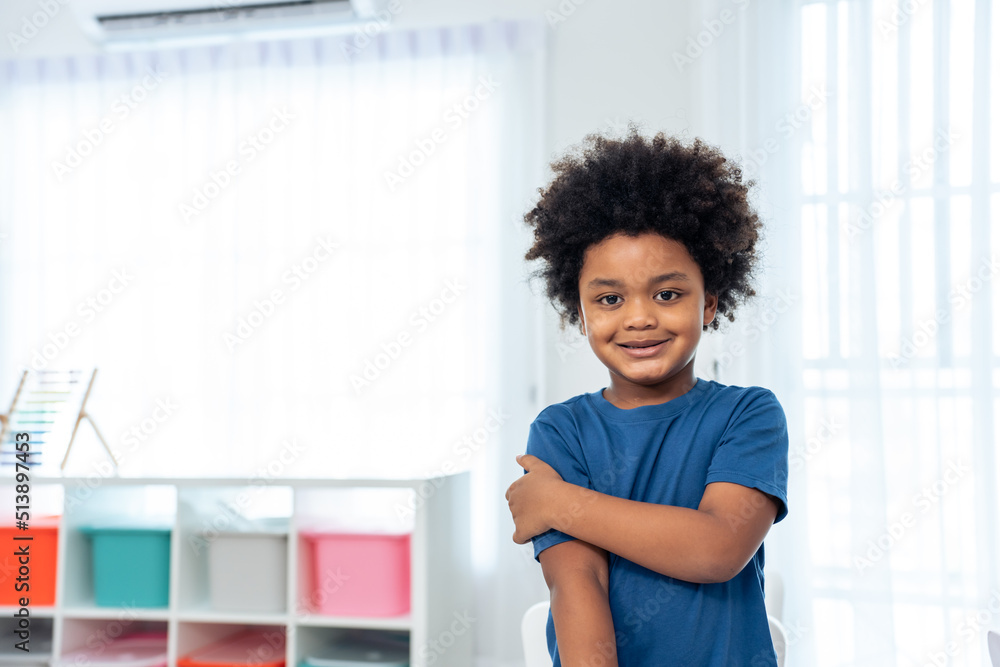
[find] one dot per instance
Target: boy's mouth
(642, 348)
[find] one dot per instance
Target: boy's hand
(532, 498)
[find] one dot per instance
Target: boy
(648, 501)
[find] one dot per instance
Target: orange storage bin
(42, 548)
(260, 648)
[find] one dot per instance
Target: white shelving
(434, 512)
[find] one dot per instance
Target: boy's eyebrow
(611, 282)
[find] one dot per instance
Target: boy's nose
(639, 314)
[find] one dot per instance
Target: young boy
(648, 501)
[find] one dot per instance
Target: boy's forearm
(679, 542)
(585, 631)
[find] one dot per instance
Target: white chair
(536, 647)
(779, 637)
(993, 641)
(774, 594)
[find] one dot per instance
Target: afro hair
(606, 186)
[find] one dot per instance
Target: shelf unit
(434, 510)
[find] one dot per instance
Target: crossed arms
(706, 545)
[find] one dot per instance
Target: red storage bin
(42, 548)
(260, 648)
(358, 574)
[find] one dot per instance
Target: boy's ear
(711, 304)
(583, 322)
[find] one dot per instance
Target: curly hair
(631, 186)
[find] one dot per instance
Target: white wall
(609, 62)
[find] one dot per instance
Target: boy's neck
(627, 395)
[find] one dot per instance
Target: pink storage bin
(359, 574)
(146, 649)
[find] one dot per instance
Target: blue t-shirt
(666, 454)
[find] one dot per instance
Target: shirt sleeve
(753, 451)
(565, 455)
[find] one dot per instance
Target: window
(281, 259)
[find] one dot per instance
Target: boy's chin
(650, 379)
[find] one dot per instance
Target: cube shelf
(239, 559)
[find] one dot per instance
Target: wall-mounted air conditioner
(110, 21)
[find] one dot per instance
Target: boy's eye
(674, 295)
(608, 296)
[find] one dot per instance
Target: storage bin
(147, 649)
(261, 648)
(248, 567)
(361, 652)
(40, 643)
(131, 564)
(42, 549)
(358, 574)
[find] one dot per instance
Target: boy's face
(636, 292)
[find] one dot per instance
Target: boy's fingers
(527, 461)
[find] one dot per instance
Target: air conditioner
(110, 21)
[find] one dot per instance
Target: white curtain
(867, 126)
(278, 255)
(270, 265)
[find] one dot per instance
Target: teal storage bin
(131, 564)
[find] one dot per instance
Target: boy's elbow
(575, 564)
(721, 567)
(719, 573)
